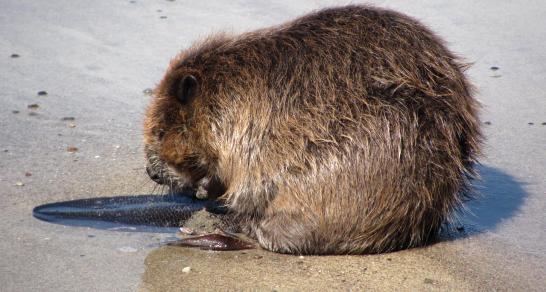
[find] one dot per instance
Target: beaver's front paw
(209, 188)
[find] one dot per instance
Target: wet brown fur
(349, 130)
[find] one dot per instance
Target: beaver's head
(177, 131)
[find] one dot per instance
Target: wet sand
(451, 265)
(265, 271)
(75, 79)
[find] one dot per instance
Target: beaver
(349, 130)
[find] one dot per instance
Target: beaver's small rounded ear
(186, 89)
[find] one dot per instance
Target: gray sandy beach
(96, 61)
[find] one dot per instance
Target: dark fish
(152, 213)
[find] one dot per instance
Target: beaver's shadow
(499, 197)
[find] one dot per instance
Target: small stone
(15, 56)
(132, 1)
(68, 118)
(159, 10)
(42, 92)
(301, 257)
(428, 281)
(27, 174)
(14, 111)
(494, 68)
(6, 150)
(90, 235)
(258, 257)
(97, 156)
(72, 125)
(72, 149)
(186, 270)
(530, 123)
(33, 114)
(148, 91)
(19, 184)
(163, 17)
(127, 249)
(33, 106)
(487, 123)
(544, 124)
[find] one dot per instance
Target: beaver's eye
(187, 89)
(160, 134)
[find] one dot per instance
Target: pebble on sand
(33, 106)
(428, 281)
(42, 92)
(186, 270)
(148, 91)
(494, 68)
(71, 149)
(15, 55)
(68, 118)
(27, 174)
(19, 184)
(14, 111)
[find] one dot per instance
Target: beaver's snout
(155, 175)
